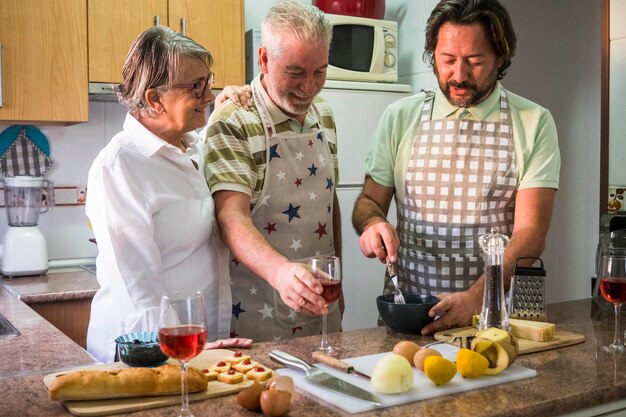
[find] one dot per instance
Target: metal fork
(398, 298)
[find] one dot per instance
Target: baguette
(121, 383)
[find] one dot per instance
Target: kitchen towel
(25, 151)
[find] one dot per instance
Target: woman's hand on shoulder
(240, 95)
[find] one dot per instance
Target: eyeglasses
(199, 87)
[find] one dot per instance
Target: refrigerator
(356, 115)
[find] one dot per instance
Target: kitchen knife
(321, 378)
(337, 364)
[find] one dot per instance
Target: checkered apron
(460, 182)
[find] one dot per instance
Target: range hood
(102, 92)
(106, 92)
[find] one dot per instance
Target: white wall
(73, 148)
(558, 66)
(617, 86)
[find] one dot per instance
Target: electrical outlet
(71, 195)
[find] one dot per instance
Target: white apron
(295, 214)
(460, 182)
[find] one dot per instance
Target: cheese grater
(527, 297)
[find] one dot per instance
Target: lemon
(439, 370)
(471, 364)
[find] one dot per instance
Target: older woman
(149, 205)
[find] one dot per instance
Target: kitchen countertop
(569, 379)
(40, 347)
(57, 285)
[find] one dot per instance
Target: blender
(23, 250)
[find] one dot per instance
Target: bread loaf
(120, 383)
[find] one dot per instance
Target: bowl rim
(119, 341)
(433, 299)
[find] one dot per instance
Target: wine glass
(327, 270)
(182, 334)
(612, 275)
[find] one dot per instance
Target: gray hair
(302, 21)
(152, 62)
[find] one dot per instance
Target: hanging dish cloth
(25, 151)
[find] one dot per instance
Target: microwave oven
(362, 49)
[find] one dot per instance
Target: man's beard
(476, 96)
(291, 104)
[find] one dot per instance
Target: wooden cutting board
(125, 405)
(560, 339)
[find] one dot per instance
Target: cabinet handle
(0, 75)
(157, 20)
(183, 26)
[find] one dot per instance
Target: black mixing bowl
(406, 318)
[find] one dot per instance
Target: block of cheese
(538, 331)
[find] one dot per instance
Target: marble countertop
(57, 285)
(569, 379)
(39, 348)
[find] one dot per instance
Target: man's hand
(299, 289)
(380, 240)
(454, 310)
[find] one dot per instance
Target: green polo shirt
(537, 154)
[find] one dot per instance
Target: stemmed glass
(612, 275)
(182, 334)
(327, 270)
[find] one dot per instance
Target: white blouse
(154, 220)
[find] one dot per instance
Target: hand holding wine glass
(327, 270)
(612, 275)
(182, 334)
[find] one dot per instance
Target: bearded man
(459, 161)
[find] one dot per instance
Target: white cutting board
(422, 389)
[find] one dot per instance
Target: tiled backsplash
(73, 148)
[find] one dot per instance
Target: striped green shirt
(235, 149)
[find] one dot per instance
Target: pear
(496, 356)
(393, 374)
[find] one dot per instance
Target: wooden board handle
(330, 361)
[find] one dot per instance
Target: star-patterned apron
(294, 213)
(459, 183)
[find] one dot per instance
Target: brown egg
(282, 382)
(421, 355)
(250, 398)
(275, 402)
(407, 349)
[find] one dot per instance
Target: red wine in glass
(613, 289)
(182, 334)
(612, 273)
(327, 270)
(331, 290)
(183, 342)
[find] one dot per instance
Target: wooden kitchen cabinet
(43, 61)
(218, 25)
